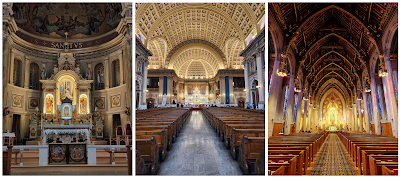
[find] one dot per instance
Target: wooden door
(277, 129)
(387, 129)
(16, 127)
(241, 103)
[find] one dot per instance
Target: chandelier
(283, 71)
(382, 71)
(297, 85)
(367, 85)
(305, 94)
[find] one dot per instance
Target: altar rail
(92, 159)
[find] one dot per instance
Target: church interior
(333, 89)
(67, 88)
(200, 88)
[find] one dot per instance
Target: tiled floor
(198, 151)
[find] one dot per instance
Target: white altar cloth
(66, 129)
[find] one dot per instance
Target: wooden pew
(161, 138)
(290, 166)
(174, 134)
(236, 138)
(167, 129)
(241, 125)
(391, 171)
(376, 167)
(260, 163)
(140, 167)
(149, 152)
(279, 171)
(249, 150)
(367, 153)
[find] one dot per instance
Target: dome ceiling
(196, 62)
(225, 25)
(79, 20)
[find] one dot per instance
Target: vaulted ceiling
(332, 41)
(224, 25)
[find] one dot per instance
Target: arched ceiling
(332, 40)
(191, 61)
(224, 25)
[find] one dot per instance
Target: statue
(33, 118)
(43, 73)
(89, 74)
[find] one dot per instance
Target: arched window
(99, 76)
(116, 73)
(369, 107)
(34, 76)
(17, 73)
(285, 101)
(394, 76)
(379, 102)
(296, 100)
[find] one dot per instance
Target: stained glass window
(379, 102)
(269, 86)
(296, 100)
(394, 73)
(369, 107)
(285, 102)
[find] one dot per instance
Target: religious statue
(66, 111)
(49, 103)
(32, 118)
(43, 73)
(89, 73)
(83, 102)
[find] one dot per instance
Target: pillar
(169, 90)
(144, 86)
(366, 116)
(26, 80)
(222, 91)
(374, 105)
(121, 69)
(305, 115)
(390, 96)
(260, 76)
(232, 99)
(106, 74)
(360, 116)
(160, 89)
(290, 106)
(298, 115)
(309, 118)
(273, 96)
(12, 68)
(246, 82)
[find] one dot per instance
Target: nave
(198, 151)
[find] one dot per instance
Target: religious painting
(100, 103)
(180, 88)
(57, 154)
(33, 103)
(211, 88)
(202, 88)
(190, 88)
(83, 104)
(333, 110)
(49, 103)
(115, 101)
(66, 89)
(17, 101)
(77, 153)
(77, 19)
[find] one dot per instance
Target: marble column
(305, 116)
(26, 80)
(207, 90)
(231, 97)
(106, 74)
(223, 94)
(260, 76)
(366, 115)
(390, 96)
(290, 106)
(160, 89)
(356, 127)
(298, 115)
(360, 115)
(246, 82)
(309, 117)
(121, 69)
(144, 86)
(351, 124)
(374, 105)
(12, 68)
(383, 104)
(169, 90)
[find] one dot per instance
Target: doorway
(16, 126)
(116, 123)
(241, 104)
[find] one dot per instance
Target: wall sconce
(258, 86)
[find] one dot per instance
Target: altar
(196, 97)
(65, 132)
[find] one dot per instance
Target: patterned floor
(332, 159)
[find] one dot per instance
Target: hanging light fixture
(297, 85)
(282, 71)
(382, 71)
(359, 97)
(305, 94)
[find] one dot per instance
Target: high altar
(66, 110)
(196, 97)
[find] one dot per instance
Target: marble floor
(198, 151)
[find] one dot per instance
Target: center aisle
(198, 151)
(332, 159)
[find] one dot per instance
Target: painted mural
(332, 109)
(79, 20)
(201, 87)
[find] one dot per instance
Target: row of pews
(371, 154)
(155, 133)
(243, 133)
(293, 154)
